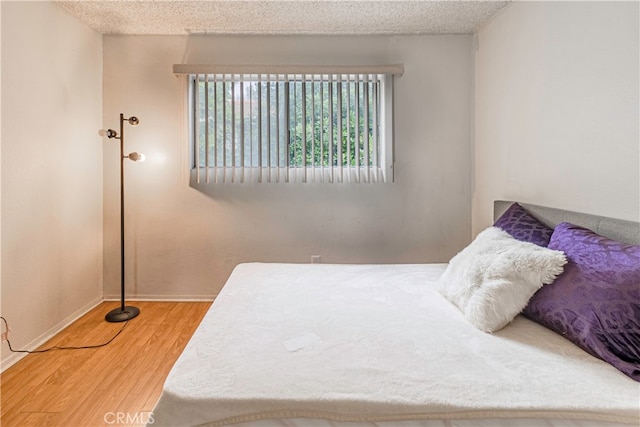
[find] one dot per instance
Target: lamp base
(120, 315)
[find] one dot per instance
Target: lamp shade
(136, 157)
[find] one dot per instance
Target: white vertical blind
(196, 131)
(308, 128)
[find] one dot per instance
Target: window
(291, 127)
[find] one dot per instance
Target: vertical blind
(307, 128)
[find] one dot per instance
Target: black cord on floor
(6, 325)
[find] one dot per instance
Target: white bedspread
(375, 343)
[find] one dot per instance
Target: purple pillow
(523, 226)
(596, 301)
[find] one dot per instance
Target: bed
(380, 345)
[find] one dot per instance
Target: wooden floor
(115, 385)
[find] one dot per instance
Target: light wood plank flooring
(115, 385)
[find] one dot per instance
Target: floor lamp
(123, 312)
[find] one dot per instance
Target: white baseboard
(13, 358)
(164, 298)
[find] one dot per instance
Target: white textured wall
(557, 108)
(51, 170)
(182, 242)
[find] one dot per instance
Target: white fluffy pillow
(493, 278)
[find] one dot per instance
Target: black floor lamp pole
(123, 312)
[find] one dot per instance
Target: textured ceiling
(283, 17)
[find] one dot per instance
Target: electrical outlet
(315, 259)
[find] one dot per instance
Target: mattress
(377, 345)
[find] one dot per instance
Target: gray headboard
(618, 229)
